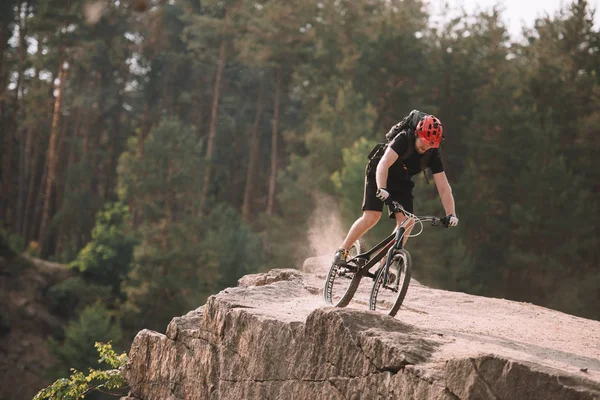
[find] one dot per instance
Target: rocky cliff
(272, 337)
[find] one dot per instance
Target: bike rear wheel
(388, 297)
(341, 282)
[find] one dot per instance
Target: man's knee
(371, 217)
(400, 218)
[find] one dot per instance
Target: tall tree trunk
(73, 233)
(29, 166)
(199, 120)
(213, 116)
(97, 167)
(52, 160)
(254, 152)
(22, 139)
(198, 104)
(144, 131)
(21, 51)
(61, 163)
(38, 193)
(274, 145)
(8, 133)
(35, 198)
(61, 182)
(119, 143)
(85, 134)
(5, 35)
(29, 170)
(32, 155)
(114, 149)
(6, 177)
(21, 192)
(97, 132)
(73, 147)
(5, 133)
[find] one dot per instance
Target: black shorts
(403, 196)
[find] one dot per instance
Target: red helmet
(430, 130)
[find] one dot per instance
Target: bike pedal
(343, 271)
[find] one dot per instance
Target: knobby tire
(403, 283)
(330, 293)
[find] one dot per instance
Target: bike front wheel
(388, 296)
(341, 282)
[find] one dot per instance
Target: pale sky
(516, 13)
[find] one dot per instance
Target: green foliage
(9, 245)
(66, 298)
(33, 249)
(336, 124)
(349, 183)
(232, 245)
(166, 177)
(333, 127)
(17, 242)
(553, 204)
(6, 246)
(79, 212)
(78, 385)
(182, 257)
(94, 323)
(521, 120)
(106, 259)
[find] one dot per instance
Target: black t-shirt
(402, 171)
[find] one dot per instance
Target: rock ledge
(273, 338)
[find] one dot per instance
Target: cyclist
(390, 177)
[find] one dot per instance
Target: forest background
(163, 150)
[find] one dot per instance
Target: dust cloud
(325, 232)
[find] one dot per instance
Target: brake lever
(445, 221)
(397, 207)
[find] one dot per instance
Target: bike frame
(366, 260)
(389, 246)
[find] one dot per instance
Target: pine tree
(171, 272)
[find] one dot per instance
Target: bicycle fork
(394, 254)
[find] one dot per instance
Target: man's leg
(372, 208)
(359, 228)
(404, 197)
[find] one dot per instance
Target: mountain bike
(391, 279)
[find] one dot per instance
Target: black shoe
(341, 257)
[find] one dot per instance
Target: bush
(78, 385)
(71, 294)
(95, 324)
(106, 259)
(6, 249)
(33, 249)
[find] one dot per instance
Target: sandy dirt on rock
(470, 325)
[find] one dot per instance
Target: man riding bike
(389, 173)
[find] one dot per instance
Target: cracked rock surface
(273, 337)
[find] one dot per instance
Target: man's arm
(445, 192)
(381, 175)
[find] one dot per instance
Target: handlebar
(435, 221)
